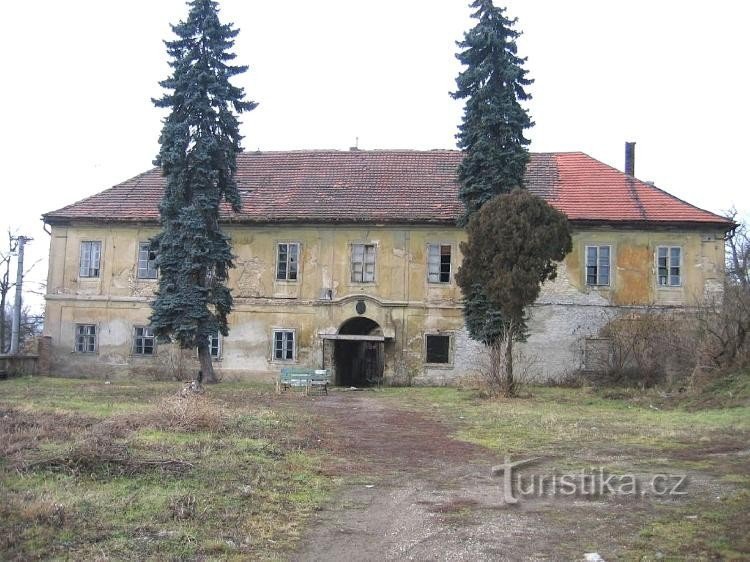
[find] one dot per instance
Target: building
(347, 260)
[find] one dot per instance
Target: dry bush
(724, 326)
(188, 412)
(21, 430)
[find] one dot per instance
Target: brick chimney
(630, 158)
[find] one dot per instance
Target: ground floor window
(214, 345)
(144, 342)
(283, 345)
(86, 338)
(437, 348)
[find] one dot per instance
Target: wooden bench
(303, 377)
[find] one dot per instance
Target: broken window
(144, 342)
(597, 265)
(439, 263)
(283, 345)
(85, 338)
(287, 261)
(437, 348)
(90, 255)
(363, 263)
(146, 261)
(669, 266)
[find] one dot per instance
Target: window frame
(362, 280)
(298, 272)
(148, 261)
(95, 335)
(91, 244)
(219, 346)
(291, 331)
(143, 337)
(440, 246)
(598, 266)
(451, 338)
(669, 266)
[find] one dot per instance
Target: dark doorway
(359, 362)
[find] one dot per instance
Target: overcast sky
(78, 77)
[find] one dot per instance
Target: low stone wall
(17, 365)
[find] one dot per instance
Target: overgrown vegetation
(122, 471)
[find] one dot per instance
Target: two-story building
(346, 260)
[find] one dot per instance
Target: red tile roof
(394, 186)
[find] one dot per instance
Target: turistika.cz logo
(588, 482)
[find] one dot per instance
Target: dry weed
(191, 412)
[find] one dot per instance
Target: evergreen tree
(200, 140)
(492, 132)
(492, 138)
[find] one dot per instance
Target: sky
(78, 78)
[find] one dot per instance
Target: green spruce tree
(200, 140)
(491, 136)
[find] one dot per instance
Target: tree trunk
(510, 383)
(207, 366)
(2, 323)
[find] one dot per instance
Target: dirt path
(422, 495)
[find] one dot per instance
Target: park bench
(303, 377)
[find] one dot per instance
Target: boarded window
(90, 255)
(146, 261)
(597, 265)
(439, 263)
(144, 342)
(287, 261)
(363, 263)
(86, 338)
(438, 348)
(669, 266)
(283, 345)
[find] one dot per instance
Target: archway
(358, 353)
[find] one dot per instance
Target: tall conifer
(200, 140)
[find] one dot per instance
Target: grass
(704, 434)
(132, 471)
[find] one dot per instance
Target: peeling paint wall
(400, 299)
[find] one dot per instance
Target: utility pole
(16, 327)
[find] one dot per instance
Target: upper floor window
(669, 266)
(363, 263)
(144, 342)
(85, 338)
(437, 348)
(597, 265)
(90, 256)
(283, 345)
(287, 261)
(439, 263)
(146, 261)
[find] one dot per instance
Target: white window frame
(80, 333)
(219, 345)
(450, 336)
(288, 262)
(669, 266)
(285, 344)
(364, 276)
(88, 267)
(147, 333)
(435, 268)
(150, 273)
(598, 282)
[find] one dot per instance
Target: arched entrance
(358, 353)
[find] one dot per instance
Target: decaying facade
(346, 260)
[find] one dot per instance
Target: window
(439, 263)
(146, 261)
(597, 265)
(283, 345)
(90, 255)
(286, 264)
(85, 338)
(214, 345)
(144, 341)
(363, 263)
(437, 348)
(669, 264)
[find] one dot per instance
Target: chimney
(630, 158)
